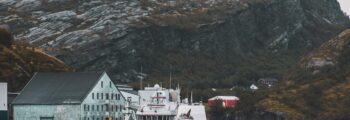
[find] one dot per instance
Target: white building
(69, 96)
(253, 87)
(3, 101)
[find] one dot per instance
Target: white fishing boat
(158, 103)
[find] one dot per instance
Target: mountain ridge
(98, 35)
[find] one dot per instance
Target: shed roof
(57, 88)
(224, 98)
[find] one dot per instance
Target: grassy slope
(20, 62)
(316, 92)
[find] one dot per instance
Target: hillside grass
(19, 62)
(316, 93)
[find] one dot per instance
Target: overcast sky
(345, 5)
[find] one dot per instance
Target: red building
(227, 101)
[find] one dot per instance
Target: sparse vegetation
(314, 95)
(19, 61)
(6, 38)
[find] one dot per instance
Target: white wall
(110, 88)
(3, 96)
(34, 112)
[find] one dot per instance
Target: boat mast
(141, 78)
(191, 98)
(170, 81)
(171, 68)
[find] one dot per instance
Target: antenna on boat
(141, 78)
(191, 98)
(171, 67)
(179, 93)
(170, 81)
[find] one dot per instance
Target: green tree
(217, 111)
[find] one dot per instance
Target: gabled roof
(224, 98)
(58, 88)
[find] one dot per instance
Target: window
(107, 96)
(84, 107)
(116, 107)
(92, 95)
(116, 96)
(98, 97)
(46, 118)
(107, 108)
(88, 107)
(101, 84)
(101, 107)
(92, 107)
(101, 95)
(112, 96)
(97, 107)
(110, 84)
(112, 106)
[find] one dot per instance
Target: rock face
(328, 54)
(28, 5)
(120, 36)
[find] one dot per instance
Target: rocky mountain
(204, 43)
(318, 87)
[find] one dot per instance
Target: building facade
(105, 100)
(69, 96)
(3, 102)
(267, 81)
